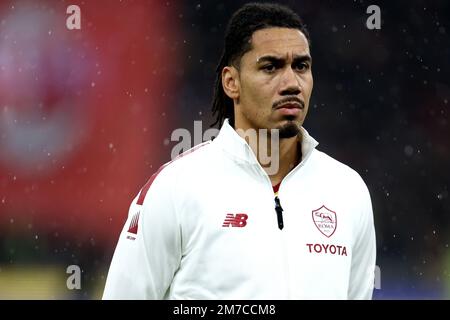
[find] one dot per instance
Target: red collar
(276, 187)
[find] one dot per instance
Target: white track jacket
(205, 226)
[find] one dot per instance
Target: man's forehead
(279, 39)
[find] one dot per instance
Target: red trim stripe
(146, 187)
(276, 187)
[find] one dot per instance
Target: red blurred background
(81, 111)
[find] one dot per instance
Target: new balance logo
(238, 220)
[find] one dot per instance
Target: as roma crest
(325, 220)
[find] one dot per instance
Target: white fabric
(182, 250)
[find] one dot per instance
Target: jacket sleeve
(364, 251)
(148, 252)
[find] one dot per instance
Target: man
(218, 223)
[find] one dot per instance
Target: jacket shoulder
(337, 169)
(190, 160)
(174, 171)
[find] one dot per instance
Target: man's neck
(289, 156)
(277, 159)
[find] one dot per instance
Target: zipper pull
(279, 211)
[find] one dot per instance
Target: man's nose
(290, 83)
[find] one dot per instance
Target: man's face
(274, 82)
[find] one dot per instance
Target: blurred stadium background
(86, 117)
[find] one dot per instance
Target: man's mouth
(291, 103)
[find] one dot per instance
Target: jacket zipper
(279, 211)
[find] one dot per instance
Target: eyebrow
(276, 59)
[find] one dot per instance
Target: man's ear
(230, 82)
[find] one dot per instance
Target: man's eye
(268, 68)
(302, 66)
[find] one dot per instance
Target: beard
(289, 129)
